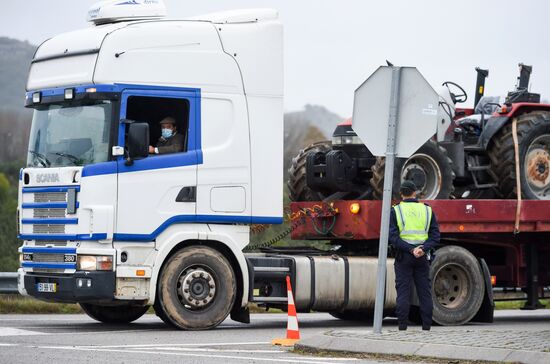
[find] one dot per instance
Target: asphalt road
(78, 339)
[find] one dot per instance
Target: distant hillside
(15, 58)
(302, 128)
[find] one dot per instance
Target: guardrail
(8, 282)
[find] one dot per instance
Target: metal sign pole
(386, 201)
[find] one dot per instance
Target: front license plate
(46, 287)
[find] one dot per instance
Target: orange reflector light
(354, 208)
(461, 228)
(91, 89)
(140, 272)
(493, 280)
(503, 109)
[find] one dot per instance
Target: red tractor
(471, 156)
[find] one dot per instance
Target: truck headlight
(347, 139)
(94, 262)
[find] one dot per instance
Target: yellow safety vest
(413, 220)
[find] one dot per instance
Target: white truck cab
(100, 217)
(109, 226)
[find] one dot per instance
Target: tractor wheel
(196, 289)
(429, 168)
(458, 286)
(533, 131)
(298, 189)
(114, 314)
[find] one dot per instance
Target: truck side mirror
(137, 142)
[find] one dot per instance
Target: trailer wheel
(197, 288)
(533, 130)
(114, 314)
(353, 315)
(458, 287)
(298, 190)
(429, 168)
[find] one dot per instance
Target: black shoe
(402, 327)
(426, 328)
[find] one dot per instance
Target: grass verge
(514, 305)
(21, 304)
(17, 304)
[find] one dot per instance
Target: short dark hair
(407, 188)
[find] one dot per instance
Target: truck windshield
(70, 135)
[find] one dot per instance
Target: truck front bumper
(90, 287)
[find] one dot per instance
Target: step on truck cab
(116, 229)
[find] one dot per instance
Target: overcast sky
(332, 46)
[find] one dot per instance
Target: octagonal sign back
(416, 117)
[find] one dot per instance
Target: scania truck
(109, 226)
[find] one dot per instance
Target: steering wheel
(460, 98)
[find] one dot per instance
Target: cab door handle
(187, 194)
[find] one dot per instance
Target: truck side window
(153, 110)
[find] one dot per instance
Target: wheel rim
(451, 286)
(537, 167)
(425, 173)
(196, 288)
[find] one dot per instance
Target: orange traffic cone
(292, 331)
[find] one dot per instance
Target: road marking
(173, 348)
(175, 345)
(5, 344)
(12, 331)
(327, 359)
(187, 354)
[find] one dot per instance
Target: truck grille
(50, 196)
(49, 212)
(47, 270)
(48, 229)
(50, 242)
(48, 258)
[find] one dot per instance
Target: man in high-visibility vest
(413, 233)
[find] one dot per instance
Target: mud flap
(487, 309)
(240, 314)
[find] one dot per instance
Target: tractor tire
(298, 189)
(354, 315)
(429, 168)
(114, 314)
(197, 288)
(533, 131)
(458, 286)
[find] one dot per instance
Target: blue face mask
(167, 133)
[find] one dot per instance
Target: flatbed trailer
(486, 228)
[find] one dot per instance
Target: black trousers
(407, 269)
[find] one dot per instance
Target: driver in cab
(170, 141)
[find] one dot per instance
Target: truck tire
(458, 286)
(429, 168)
(114, 314)
(533, 131)
(160, 312)
(197, 288)
(298, 190)
(353, 315)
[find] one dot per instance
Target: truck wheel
(353, 315)
(429, 168)
(160, 312)
(196, 288)
(114, 314)
(533, 131)
(458, 287)
(298, 189)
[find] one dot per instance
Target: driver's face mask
(167, 133)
